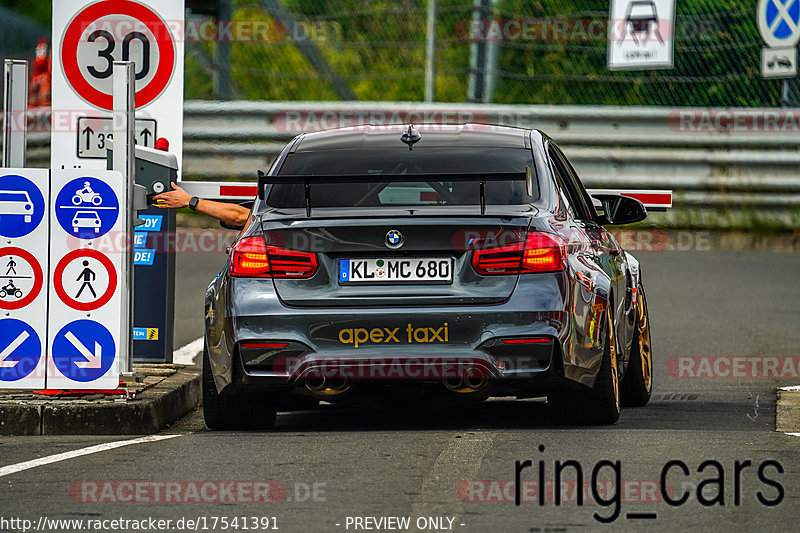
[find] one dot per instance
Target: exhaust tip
(472, 380)
(315, 382)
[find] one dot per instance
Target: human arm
(231, 214)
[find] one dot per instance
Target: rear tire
(239, 411)
(599, 405)
(637, 385)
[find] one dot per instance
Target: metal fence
(740, 160)
(350, 49)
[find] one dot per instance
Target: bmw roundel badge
(394, 239)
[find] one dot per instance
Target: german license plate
(406, 270)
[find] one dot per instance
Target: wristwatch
(193, 203)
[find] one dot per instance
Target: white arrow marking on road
(10, 349)
(92, 359)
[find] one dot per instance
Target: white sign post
(88, 243)
(640, 34)
(779, 25)
(88, 36)
(15, 109)
(24, 200)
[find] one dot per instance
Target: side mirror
(618, 209)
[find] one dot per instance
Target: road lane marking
(42, 461)
(186, 355)
(461, 459)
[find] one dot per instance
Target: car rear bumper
(281, 348)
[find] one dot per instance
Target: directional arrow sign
(93, 360)
(8, 350)
(75, 361)
(96, 132)
(20, 350)
(89, 134)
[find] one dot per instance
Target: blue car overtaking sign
(21, 206)
(87, 208)
(779, 22)
(83, 350)
(20, 350)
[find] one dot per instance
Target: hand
(174, 199)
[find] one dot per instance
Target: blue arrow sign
(83, 350)
(20, 349)
(87, 208)
(21, 206)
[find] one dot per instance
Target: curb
(787, 410)
(156, 407)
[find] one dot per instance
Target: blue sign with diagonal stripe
(779, 22)
(20, 350)
(83, 350)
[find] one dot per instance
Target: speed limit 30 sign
(122, 30)
(88, 36)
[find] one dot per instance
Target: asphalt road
(332, 464)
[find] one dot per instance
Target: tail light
(541, 252)
(251, 258)
(531, 340)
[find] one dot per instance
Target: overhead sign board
(24, 197)
(88, 244)
(88, 36)
(779, 25)
(640, 34)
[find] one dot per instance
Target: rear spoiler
(307, 181)
(653, 200)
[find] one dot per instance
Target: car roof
(432, 135)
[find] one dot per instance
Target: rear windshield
(438, 160)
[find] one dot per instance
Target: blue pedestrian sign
(779, 22)
(83, 350)
(21, 206)
(87, 208)
(20, 350)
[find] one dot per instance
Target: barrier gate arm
(653, 199)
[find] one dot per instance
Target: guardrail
(711, 158)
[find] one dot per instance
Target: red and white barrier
(653, 200)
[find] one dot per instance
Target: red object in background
(162, 144)
(41, 79)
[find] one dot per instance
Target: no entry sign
(88, 36)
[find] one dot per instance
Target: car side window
(562, 168)
(580, 190)
(561, 176)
